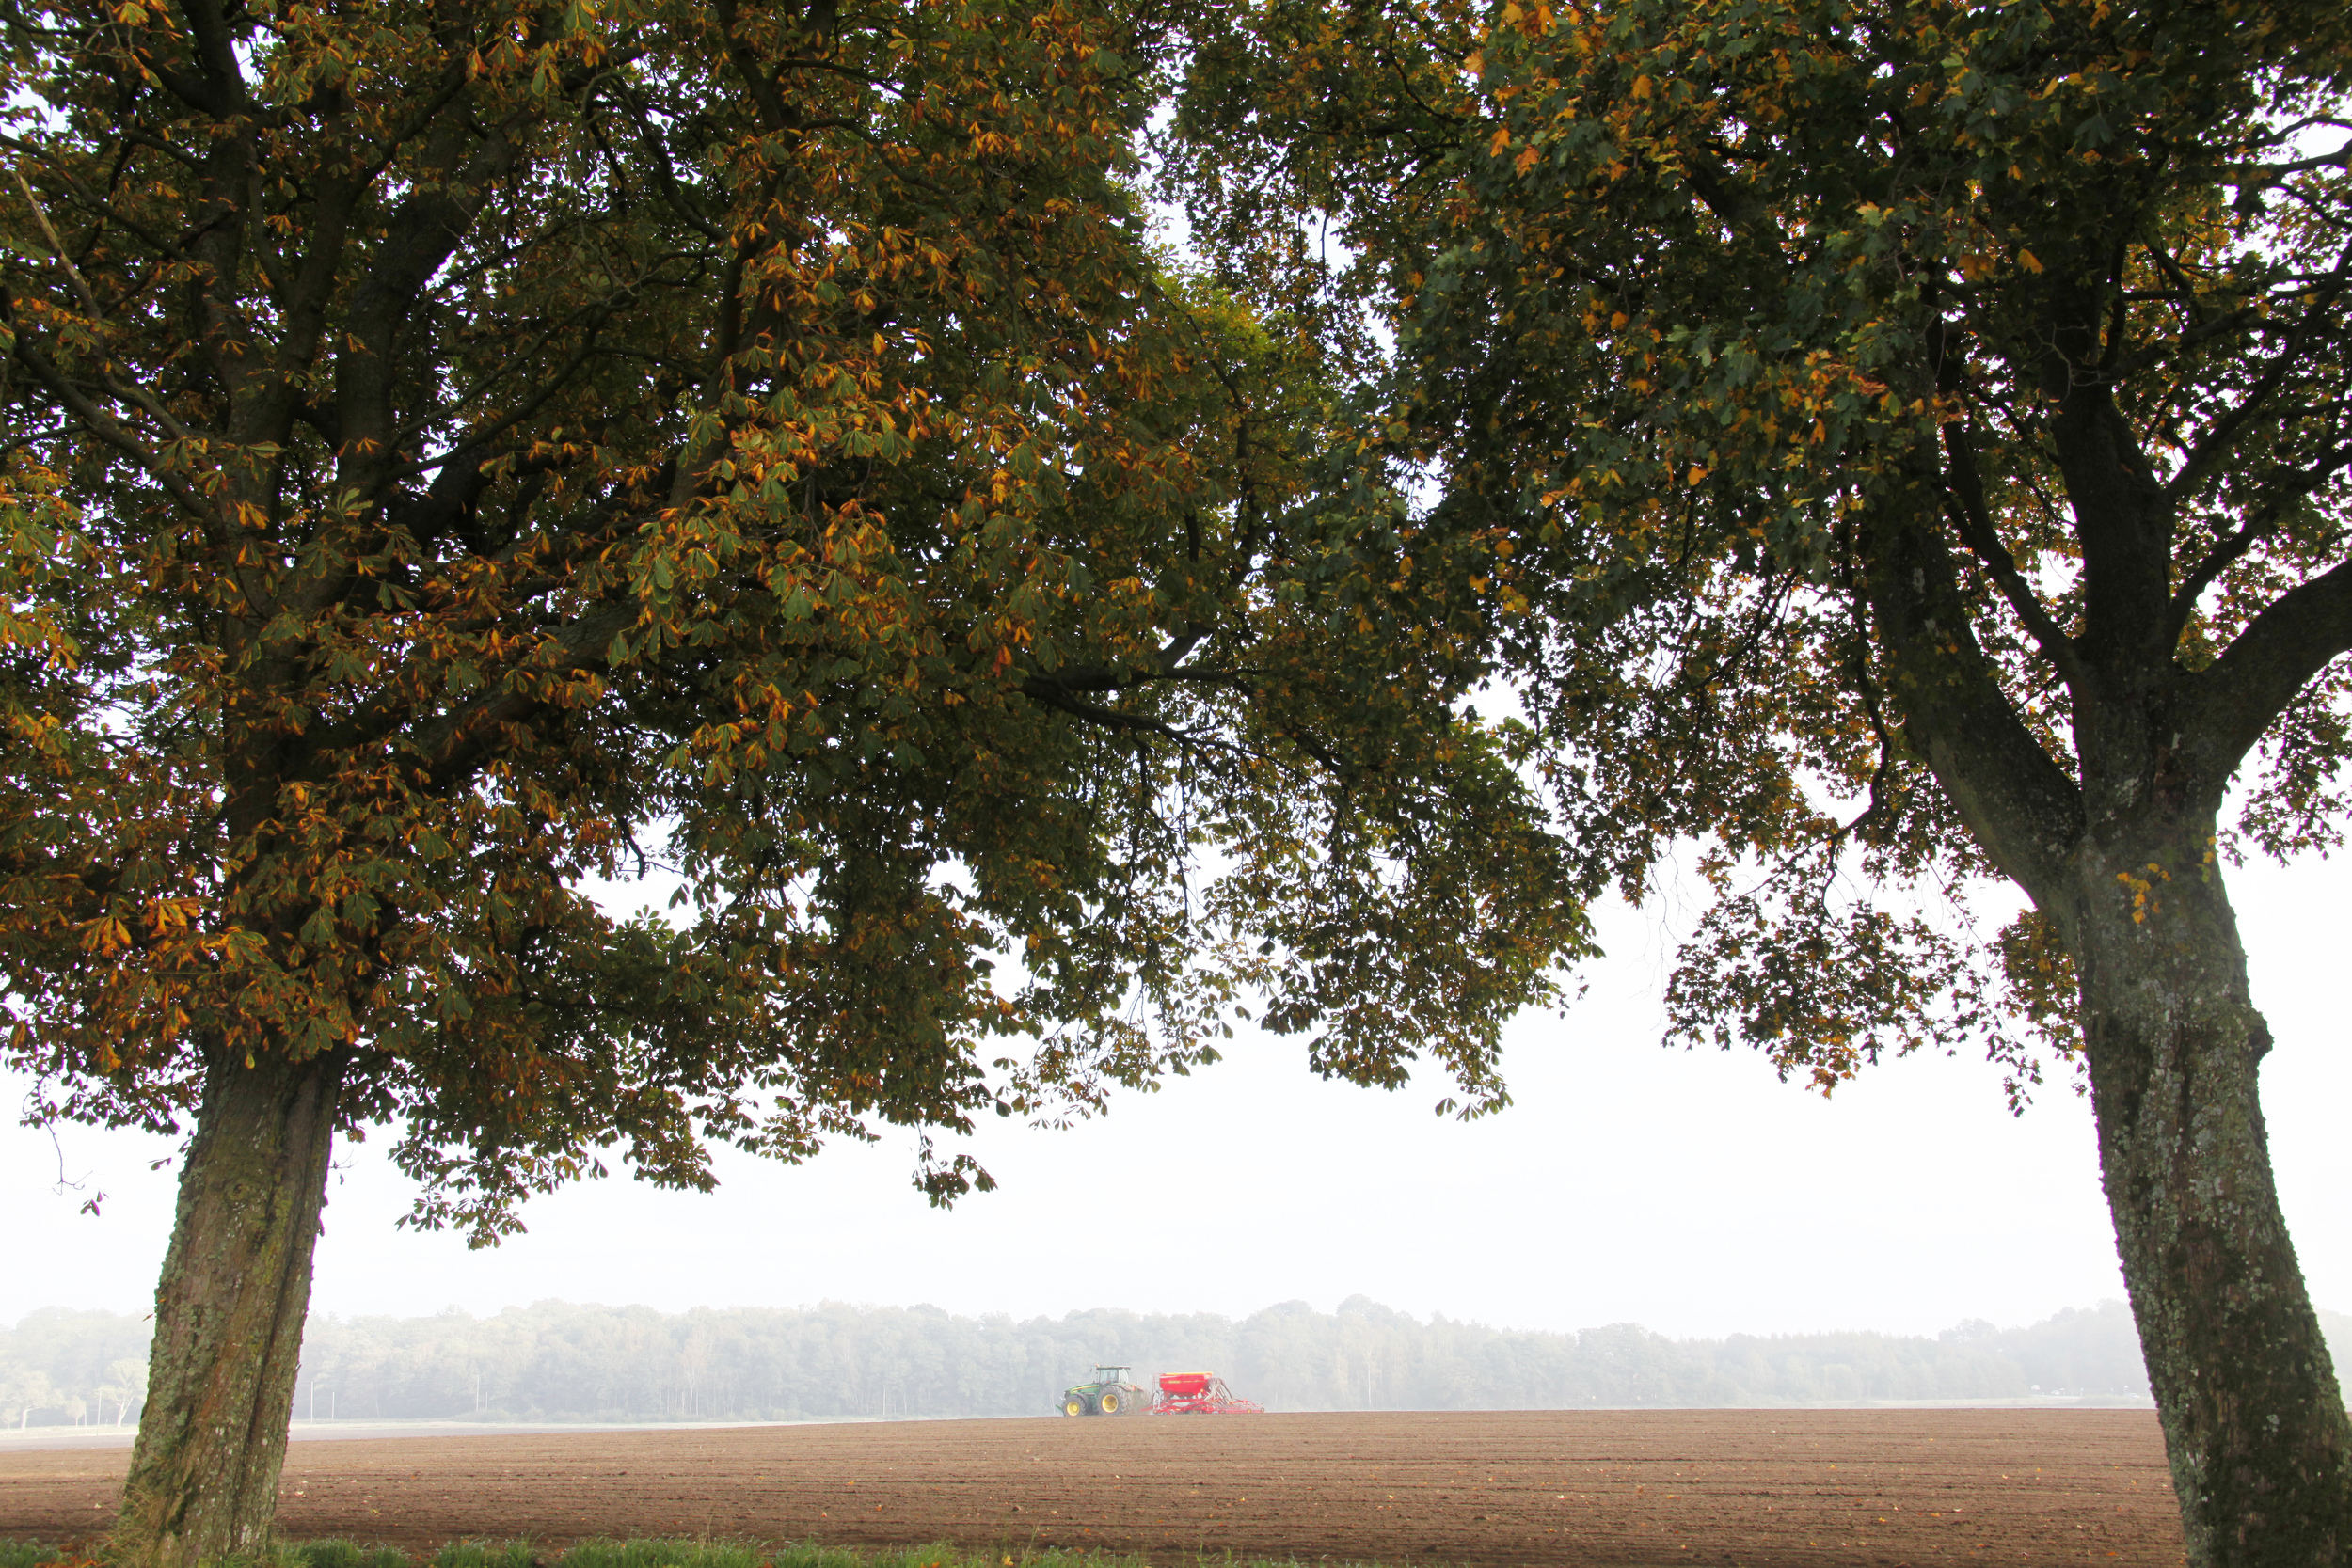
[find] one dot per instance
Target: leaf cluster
(472, 449)
(1837, 390)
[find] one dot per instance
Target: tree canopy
(466, 451)
(462, 450)
(1908, 443)
(1679, 294)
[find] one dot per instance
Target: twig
(89, 300)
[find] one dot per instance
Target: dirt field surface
(1608, 1489)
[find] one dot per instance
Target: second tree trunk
(2260, 1452)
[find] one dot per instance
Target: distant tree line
(555, 1361)
(60, 1368)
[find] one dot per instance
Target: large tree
(458, 449)
(1907, 445)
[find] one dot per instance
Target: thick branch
(1052, 695)
(2122, 516)
(1964, 493)
(223, 84)
(2231, 704)
(1167, 665)
(455, 745)
(774, 114)
(2017, 801)
(2258, 525)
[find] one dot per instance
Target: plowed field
(1817, 1488)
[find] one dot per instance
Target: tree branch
(1055, 697)
(2224, 431)
(454, 745)
(2258, 526)
(2017, 801)
(2302, 633)
(107, 429)
(1964, 494)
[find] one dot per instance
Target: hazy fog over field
(555, 1361)
(1690, 1194)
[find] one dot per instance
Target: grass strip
(662, 1553)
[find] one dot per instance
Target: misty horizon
(564, 1362)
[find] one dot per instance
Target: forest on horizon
(560, 1361)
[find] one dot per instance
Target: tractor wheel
(1073, 1405)
(1111, 1402)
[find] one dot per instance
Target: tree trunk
(2261, 1450)
(229, 1315)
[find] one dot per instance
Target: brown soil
(1573, 1488)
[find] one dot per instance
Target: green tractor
(1109, 1394)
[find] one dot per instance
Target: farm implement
(1181, 1394)
(1199, 1394)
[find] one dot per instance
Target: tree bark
(229, 1315)
(2259, 1447)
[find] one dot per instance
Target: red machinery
(1199, 1394)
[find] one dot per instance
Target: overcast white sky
(1690, 1193)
